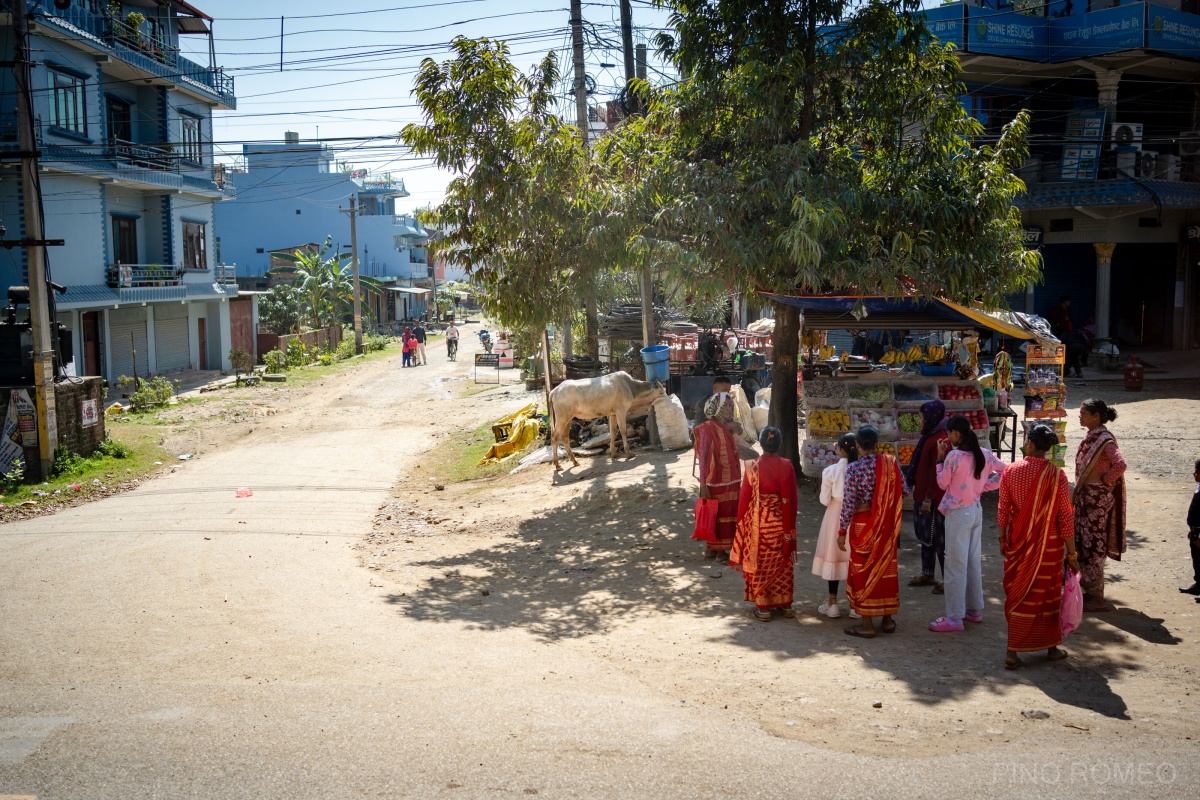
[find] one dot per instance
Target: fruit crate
(971, 395)
(905, 391)
(825, 393)
(976, 416)
(884, 420)
(870, 393)
(904, 452)
(816, 454)
(915, 417)
(826, 423)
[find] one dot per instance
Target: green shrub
(345, 348)
(112, 449)
(372, 342)
(276, 361)
(325, 359)
(13, 478)
(146, 394)
(298, 354)
(241, 361)
(67, 463)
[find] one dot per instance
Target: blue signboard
(946, 23)
(1097, 32)
(1172, 31)
(1009, 34)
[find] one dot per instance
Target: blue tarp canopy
(901, 313)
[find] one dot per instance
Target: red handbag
(706, 520)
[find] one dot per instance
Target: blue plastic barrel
(658, 362)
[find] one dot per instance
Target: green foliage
(14, 477)
(345, 348)
(323, 284)
(134, 19)
(276, 361)
(325, 359)
(513, 216)
(147, 394)
(241, 361)
(373, 342)
(279, 311)
(298, 353)
(67, 463)
(112, 448)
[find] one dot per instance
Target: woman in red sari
(765, 543)
(871, 516)
(1035, 520)
(720, 472)
(1099, 501)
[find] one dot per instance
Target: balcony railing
(141, 276)
(225, 273)
(137, 48)
(140, 155)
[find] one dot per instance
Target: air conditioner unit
(1126, 135)
(1168, 167)
(1147, 164)
(1189, 143)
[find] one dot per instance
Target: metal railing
(149, 53)
(140, 155)
(225, 273)
(139, 276)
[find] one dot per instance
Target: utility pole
(353, 212)
(627, 49)
(39, 300)
(581, 119)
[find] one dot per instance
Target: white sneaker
(854, 614)
(833, 612)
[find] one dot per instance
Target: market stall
(890, 399)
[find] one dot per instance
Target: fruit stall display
(1046, 393)
(890, 404)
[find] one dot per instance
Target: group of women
(1045, 527)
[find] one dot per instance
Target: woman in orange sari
(765, 543)
(1035, 520)
(871, 516)
(1099, 501)
(720, 472)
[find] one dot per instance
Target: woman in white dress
(829, 562)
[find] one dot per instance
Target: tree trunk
(783, 380)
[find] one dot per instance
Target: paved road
(178, 642)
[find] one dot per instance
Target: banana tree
(324, 281)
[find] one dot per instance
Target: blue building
(124, 125)
(291, 194)
(1114, 176)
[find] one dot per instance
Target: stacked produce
(947, 391)
(936, 354)
(977, 418)
(905, 453)
(820, 454)
(828, 419)
(871, 393)
(913, 353)
(886, 448)
(909, 421)
(882, 421)
(826, 392)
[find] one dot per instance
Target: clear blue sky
(348, 67)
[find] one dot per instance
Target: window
(120, 120)
(195, 255)
(125, 240)
(189, 138)
(66, 103)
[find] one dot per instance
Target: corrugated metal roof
(80, 296)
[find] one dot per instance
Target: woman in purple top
(965, 473)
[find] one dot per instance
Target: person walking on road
(872, 511)
(765, 543)
(1036, 525)
(451, 341)
(964, 474)
(419, 335)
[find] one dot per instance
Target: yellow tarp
(989, 320)
(521, 428)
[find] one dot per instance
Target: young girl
(406, 340)
(964, 474)
(829, 562)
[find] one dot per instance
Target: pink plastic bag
(1072, 604)
(243, 492)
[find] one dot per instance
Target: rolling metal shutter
(172, 350)
(126, 326)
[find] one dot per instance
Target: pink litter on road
(243, 492)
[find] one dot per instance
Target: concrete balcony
(141, 276)
(143, 53)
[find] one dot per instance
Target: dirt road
(177, 641)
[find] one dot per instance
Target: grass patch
(455, 459)
(144, 449)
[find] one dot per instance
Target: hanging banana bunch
(914, 354)
(828, 352)
(936, 355)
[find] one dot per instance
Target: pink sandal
(945, 625)
(973, 617)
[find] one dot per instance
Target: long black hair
(849, 446)
(969, 442)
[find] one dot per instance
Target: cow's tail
(550, 419)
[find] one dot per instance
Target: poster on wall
(10, 441)
(89, 412)
(26, 417)
(1081, 153)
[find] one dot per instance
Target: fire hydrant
(1135, 375)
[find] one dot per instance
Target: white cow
(613, 396)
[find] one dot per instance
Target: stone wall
(79, 440)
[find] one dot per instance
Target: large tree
(513, 215)
(820, 147)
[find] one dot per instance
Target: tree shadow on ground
(620, 554)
